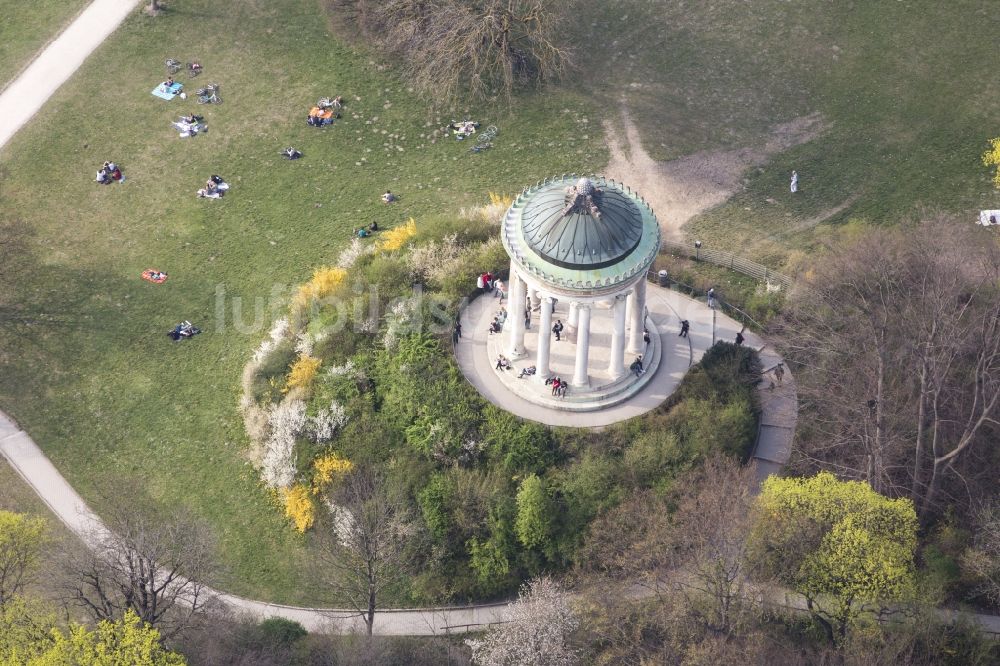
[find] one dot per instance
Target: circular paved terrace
(476, 355)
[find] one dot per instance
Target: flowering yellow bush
(992, 158)
(394, 239)
(299, 507)
(302, 373)
(324, 282)
(328, 467)
(502, 200)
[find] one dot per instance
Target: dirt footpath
(680, 189)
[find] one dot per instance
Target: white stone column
(515, 315)
(616, 365)
(637, 317)
(574, 315)
(580, 376)
(544, 340)
(533, 298)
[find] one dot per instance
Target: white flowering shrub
(357, 249)
(325, 425)
(398, 322)
(278, 333)
(287, 421)
(341, 370)
(535, 630)
(434, 260)
(304, 343)
(344, 523)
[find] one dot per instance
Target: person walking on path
(795, 182)
(685, 325)
(711, 297)
(739, 338)
(457, 333)
(779, 372)
(557, 328)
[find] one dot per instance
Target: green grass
(26, 27)
(86, 366)
(907, 91)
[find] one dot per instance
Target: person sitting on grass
(388, 197)
(168, 83)
(103, 177)
(184, 330)
(361, 232)
(291, 154)
(373, 227)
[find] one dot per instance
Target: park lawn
(87, 368)
(907, 93)
(26, 27)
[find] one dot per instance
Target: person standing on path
(779, 372)
(527, 317)
(685, 325)
(499, 287)
(739, 338)
(557, 328)
(457, 333)
(795, 182)
(711, 297)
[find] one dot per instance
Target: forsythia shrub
(324, 282)
(394, 239)
(992, 158)
(328, 467)
(303, 373)
(299, 507)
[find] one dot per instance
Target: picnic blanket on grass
(148, 275)
(168, 93)
(984, 217)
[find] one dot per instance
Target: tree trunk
(370, 615)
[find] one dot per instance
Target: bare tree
(897, 338)
(154, 565)
(482, 48)
(534, 631)
(694, 555)
(708, 544)
(982, 560)
(361, 553)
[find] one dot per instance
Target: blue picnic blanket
(163, 92)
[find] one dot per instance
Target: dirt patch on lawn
(680, 189)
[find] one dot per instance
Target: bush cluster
(495, 499)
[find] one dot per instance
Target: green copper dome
(582, 226)
(586, 235)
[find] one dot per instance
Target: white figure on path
(795, 181)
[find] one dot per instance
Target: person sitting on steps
(527, 372)
(636, 366)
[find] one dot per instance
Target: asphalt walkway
(27, 94)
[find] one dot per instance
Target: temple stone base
(603, 391)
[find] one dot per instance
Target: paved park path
(24, 97)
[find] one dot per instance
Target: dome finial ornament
(583, 198)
